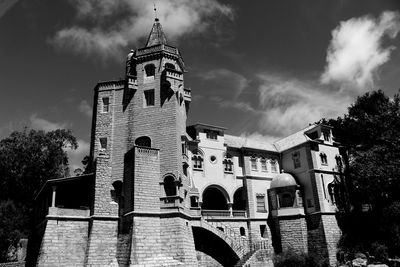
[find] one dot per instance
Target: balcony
(224, 213)
(187, 94)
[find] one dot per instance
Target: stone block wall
(293, 233)
(323, 236)
(102, 245)
(177, 240)
(64, 243)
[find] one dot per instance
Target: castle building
(162, 193)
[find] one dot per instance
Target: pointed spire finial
(155, 11)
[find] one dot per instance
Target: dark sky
(263, 69)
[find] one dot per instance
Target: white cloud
(130, 21)
(85, 108)
(43, 124)
(355, 52)
(289, 104)
(229, 79)
(76, 156)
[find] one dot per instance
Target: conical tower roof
(156, 35)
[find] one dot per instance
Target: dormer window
(326, 135)
(211, 134)
(150, 70)
(324, 159)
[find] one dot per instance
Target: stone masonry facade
(160, 193)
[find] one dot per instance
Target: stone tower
(141, 186)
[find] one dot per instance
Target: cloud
(289, 104)
(355, 52)
(5, 5)
(85, 108)
(227, 79)
(107, 27)
(75, 157)
(45, 125)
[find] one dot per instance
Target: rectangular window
(253, 161)
(260, 203)
(263, 165)
(274, 166)
(309, 203)
(103, 143)
(296, 159)
(211, 134)
(106, 104)
(149, 98)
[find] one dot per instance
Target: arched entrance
(214, 198)
(239, 200)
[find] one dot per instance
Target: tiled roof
(244, 142)
(293, 139)
(156, 35)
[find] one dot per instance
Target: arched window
(242, 231)
(117, 192)
(169, 66)
(253, 161)
(169, 186)
(197, 160)
(143, 141)
(150, 70)
(228, 164)
(324, 159)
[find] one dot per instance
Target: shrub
(290, 258)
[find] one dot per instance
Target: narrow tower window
(106, 104)
(149, 97)
(260, 202)
(103, 143)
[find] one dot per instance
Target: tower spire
(156, 35)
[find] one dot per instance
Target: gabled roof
(244, 142)
(293, 140)
(156, 35)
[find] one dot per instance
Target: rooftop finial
(155, 11)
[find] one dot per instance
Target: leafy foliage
(27, 160)
(290, 258)
(371, 134)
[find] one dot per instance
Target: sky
(262, 69)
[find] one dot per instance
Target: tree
(27, 160)
(370, 132)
